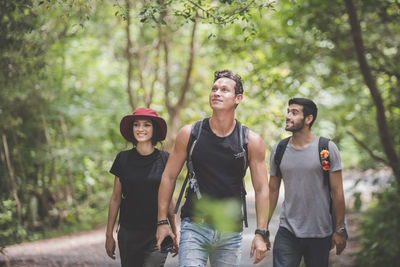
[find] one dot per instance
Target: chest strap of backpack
(189, 165)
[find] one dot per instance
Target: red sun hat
(125, 126)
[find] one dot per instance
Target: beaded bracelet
(162, 222)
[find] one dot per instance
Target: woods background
(70, 69)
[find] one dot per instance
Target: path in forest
(87, 248)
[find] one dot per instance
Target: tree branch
(129, 56)
(228, 18)
(149, 95)
(206, 11)
(12, 177)
(186, 83)
(167, 84)
(366, 148)
(386, 140)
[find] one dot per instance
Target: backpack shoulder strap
(280, 150)
(245, 130)
(323, 144)
(244, 141)
(194, 136)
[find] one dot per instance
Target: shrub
(380, 235)
(10, 229)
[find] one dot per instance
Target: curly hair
(230, 75)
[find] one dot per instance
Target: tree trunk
(174, 110)
(52, 172)
(4, 184)
(384, 134)
(12, 177)
(129, 52)
(150, 93)
(69, 185)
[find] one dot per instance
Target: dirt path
(87, 248)
(81, 249)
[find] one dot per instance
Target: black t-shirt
(218, 170)
(140, 178)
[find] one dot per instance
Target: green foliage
(63, 87)
(46, 120)
(10, 229)
(212, 12)
(306, 50)
(379, 244)
(223, 215)
(220, 13)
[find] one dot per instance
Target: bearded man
(306, 226)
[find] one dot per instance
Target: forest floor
(87, 248)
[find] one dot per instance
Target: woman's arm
(113, 208)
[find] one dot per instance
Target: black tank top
(219, 172)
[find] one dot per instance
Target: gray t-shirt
(305, 210)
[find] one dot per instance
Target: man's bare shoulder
(182, 138)
(185, 131)
(255, 139)
(256, 146)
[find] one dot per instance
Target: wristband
(162, 222)
(263, 233)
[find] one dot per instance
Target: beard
(296, 127)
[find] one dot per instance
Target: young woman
(137, 178)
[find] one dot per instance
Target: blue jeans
(288, 250)
(199, 241)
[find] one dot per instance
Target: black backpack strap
(194, 136)
(244, 140)
(280, 150)
(323, 144)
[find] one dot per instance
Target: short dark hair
(309, 107)
(154, 137)
(230, 75)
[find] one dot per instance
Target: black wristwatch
(263, 233)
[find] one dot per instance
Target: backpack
(191, 176)
(323, 144)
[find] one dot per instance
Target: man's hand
(260, 247)
(110, 247)
(162, 232)
(339, 241)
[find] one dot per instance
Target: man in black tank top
(219, 175)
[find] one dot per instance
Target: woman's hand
(110, 247)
